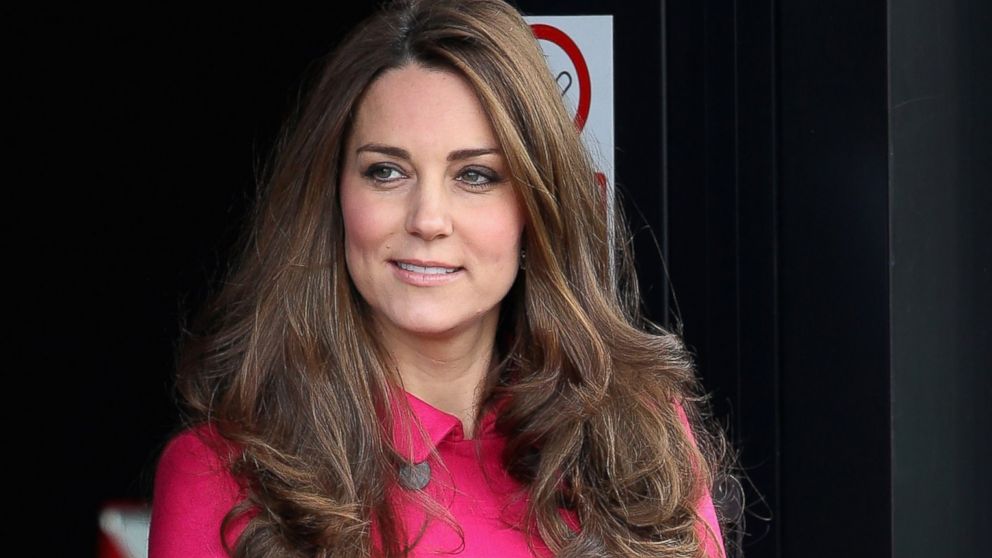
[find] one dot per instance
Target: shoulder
(709, 530)
(197, 458)
(196, 445)
(194, 491)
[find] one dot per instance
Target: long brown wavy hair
(285, 364)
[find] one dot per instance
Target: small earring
(523, 258)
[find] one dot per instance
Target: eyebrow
(401, 153)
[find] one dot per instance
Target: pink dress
(194, 491)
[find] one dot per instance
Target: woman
(428, 344)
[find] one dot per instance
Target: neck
(448, 372)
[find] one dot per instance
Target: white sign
(579, 51)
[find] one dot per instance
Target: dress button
(415, 476)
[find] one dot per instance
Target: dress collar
(416, 439)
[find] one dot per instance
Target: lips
(429, 270)
(419, 273)
(426, 268)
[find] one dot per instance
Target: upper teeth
(422, 269)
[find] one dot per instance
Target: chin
(433, 328)
(437, 323)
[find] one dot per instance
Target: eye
(478, 177)
(382, 173)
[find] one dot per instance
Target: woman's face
(432, 221)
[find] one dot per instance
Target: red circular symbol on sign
(548, 33)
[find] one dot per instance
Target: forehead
(413, 102)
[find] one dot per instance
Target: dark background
(816, 174)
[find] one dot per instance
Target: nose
(429, 214)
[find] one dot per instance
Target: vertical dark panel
(720, 293)
(701, 187)
(721, 144)
(941, 137)
(685, 147)
(833, 232)
(757, 404)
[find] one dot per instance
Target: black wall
(828, 179)
(136, 159)
(833, 278)
(778, 239)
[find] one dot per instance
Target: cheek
(363, 227)
(498, 234)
